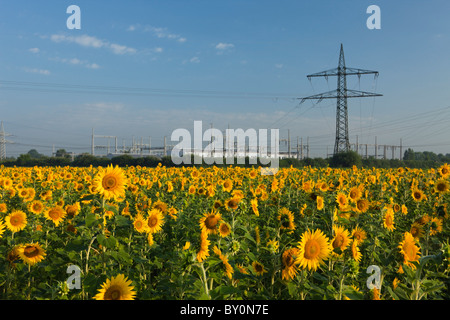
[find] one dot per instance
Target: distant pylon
(342, 143)
(3, 142)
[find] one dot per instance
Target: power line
(137, 91)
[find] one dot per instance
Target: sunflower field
(224, 233)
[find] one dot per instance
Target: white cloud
(158, 50)
(119, 49)
(92, 66)
(93, 42)
(194, 60)
(159, 32)
(39, 71)
(76, 61)
(278, 65)
(34, 50)
(104, 106)
(224, 46)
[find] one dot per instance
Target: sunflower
(341, 238)
(56, 214)
(203, 253)
(254, 204)
(388, 219)
(16, 220)
(417, 230)
(186, 246)
(209, 222)
(362, 205)
(404, 209)
(3, 207)
(227, 185)
(258, 268)
(286, 218)
(72, 209)
(341, 200)
(224, 229)
(155, 221)
(253, 173)
(288, 259)
(417, 195)
(36, 206)
(409, 250)
(319, 203)
(444, 170)
(308, 186)
(173, 213)
(31, 253)
(356, 253)
(2, 227)
(110, 182)
(232, 203)
(116, 288)
(161, 206)
(354, 194)
(314, 249)
(217, 204)
(241, 268)
(442, 186)
(273, 246)
(435, 226)
(228, 268)
(150, 239)
(139, 223)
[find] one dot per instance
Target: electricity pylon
(3, 142)
(342, 143)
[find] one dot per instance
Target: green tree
(345, 160)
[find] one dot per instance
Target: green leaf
(108, 242)
(121, 221)
(87, 198)
(90, 219)
(111, 208)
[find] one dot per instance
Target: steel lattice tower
(3, 142)
(342, 143)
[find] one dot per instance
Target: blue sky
(145, 68)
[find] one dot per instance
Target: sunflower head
(116, 288)
(341, 238)
(288, 259)
(55, 214)
(409, 250)
(16, 220)
(31, 253)
(110, 182)
(442, 186)
(314, 249)
(258, 268)
(155, 220)
(209, 223)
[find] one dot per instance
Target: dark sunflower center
(211, 222)
(113, 293)
(109, 182)
(312, 249)
(338, 242)
(153, 221)
(31, 251)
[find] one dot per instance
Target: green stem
(205, 280)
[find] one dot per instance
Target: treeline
(422, 160)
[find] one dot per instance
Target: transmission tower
(342, 143)
(3, 142)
